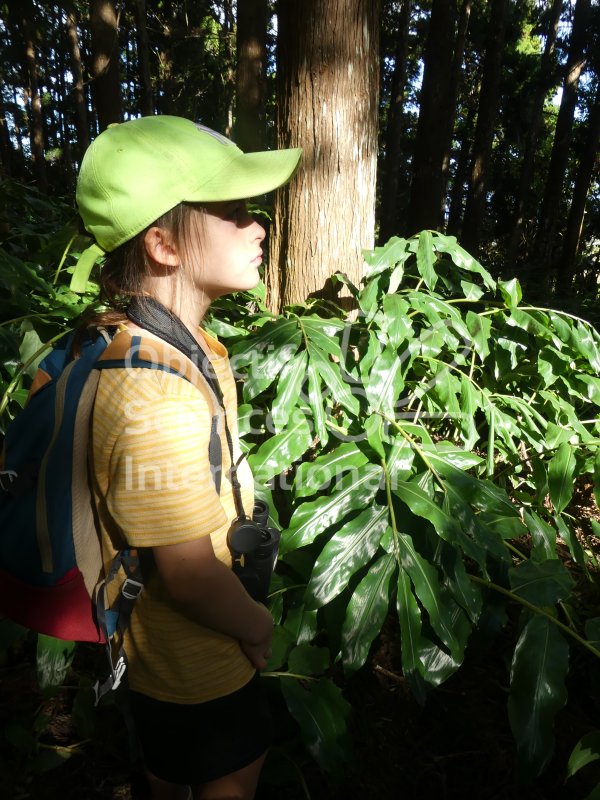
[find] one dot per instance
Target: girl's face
(230, 252)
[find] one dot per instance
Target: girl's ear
(160, 247)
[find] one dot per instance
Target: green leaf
(409, 616)
(366, 612)
(480, 329)
(315, 401)
(306, 659)
(53, 660)
(281, 450)
(322, 713)
(426, 581)
(314, 475)
(426, 259)
(511, 292)
(597, 477)
(462, 259)
(288, 390)
(395, 320)
(267, 366)
(333, 380)
(373, 428)
(585, 752)
(543, 537)
(357, 489)
(542, 584)
(385, 381)
(561, 470)
(321, 333)
(348, 550)
(537, 690)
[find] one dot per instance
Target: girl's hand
(257, 647)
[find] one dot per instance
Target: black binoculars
(254, 546)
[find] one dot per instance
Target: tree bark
(251, 57)
(426, 203)
(533, 131)
(390, 222)
(548, 219)
(583, 180)
(461, 174)
(106, 84)
(79, 97)
(143, 53)
(455, 83)
(328, 104)
(26, 22)
(484, 131)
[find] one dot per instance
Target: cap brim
(250, 175)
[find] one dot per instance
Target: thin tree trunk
(583, 180)
(106, 86)
(533, 130)
(328, 105)
(390, 223)
(425, 208)
(251, 57)
(6, 148)
(79, 96)
(166, 97)
(143, 53)
(548, 220)
(461, 175)
(32, 94)
(455, 82)
(484, 131)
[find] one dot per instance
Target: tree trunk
(6, 148)
(390, 222)
(79, 98)
(426, 201)
(548, 219)
(166, 96)
(106, 84)
(328, 105)
(533, 130)
(455, 82)
(566, 266)
(461, 175)
(143, 53)
(31, 93)
(251, 57)
(484, 131)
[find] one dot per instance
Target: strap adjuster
(7, 478)
(131, 588)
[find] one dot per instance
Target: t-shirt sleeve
(161, 488)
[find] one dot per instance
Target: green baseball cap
(135, 171)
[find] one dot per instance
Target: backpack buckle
(131, 588)
(7, 478)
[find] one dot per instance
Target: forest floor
(458, 745)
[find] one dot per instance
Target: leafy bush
(422, 455)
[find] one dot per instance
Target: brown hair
(124, 269)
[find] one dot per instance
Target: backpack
(52, 578)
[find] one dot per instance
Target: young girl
(164, 198)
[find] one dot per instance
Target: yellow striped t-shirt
(153, 487)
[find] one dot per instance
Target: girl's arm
(206, 590)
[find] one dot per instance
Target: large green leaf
(426, 259)
(366, 612)
(357, 489)
(315, 401)
(327, 468)
(281, 450)
(333, 380)
(349, 549)
(288, 390)
(426, 581)
(385, 381)
(537, 690)
(322, 713)
(543, 583)
(409, 616)
(561, 471)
